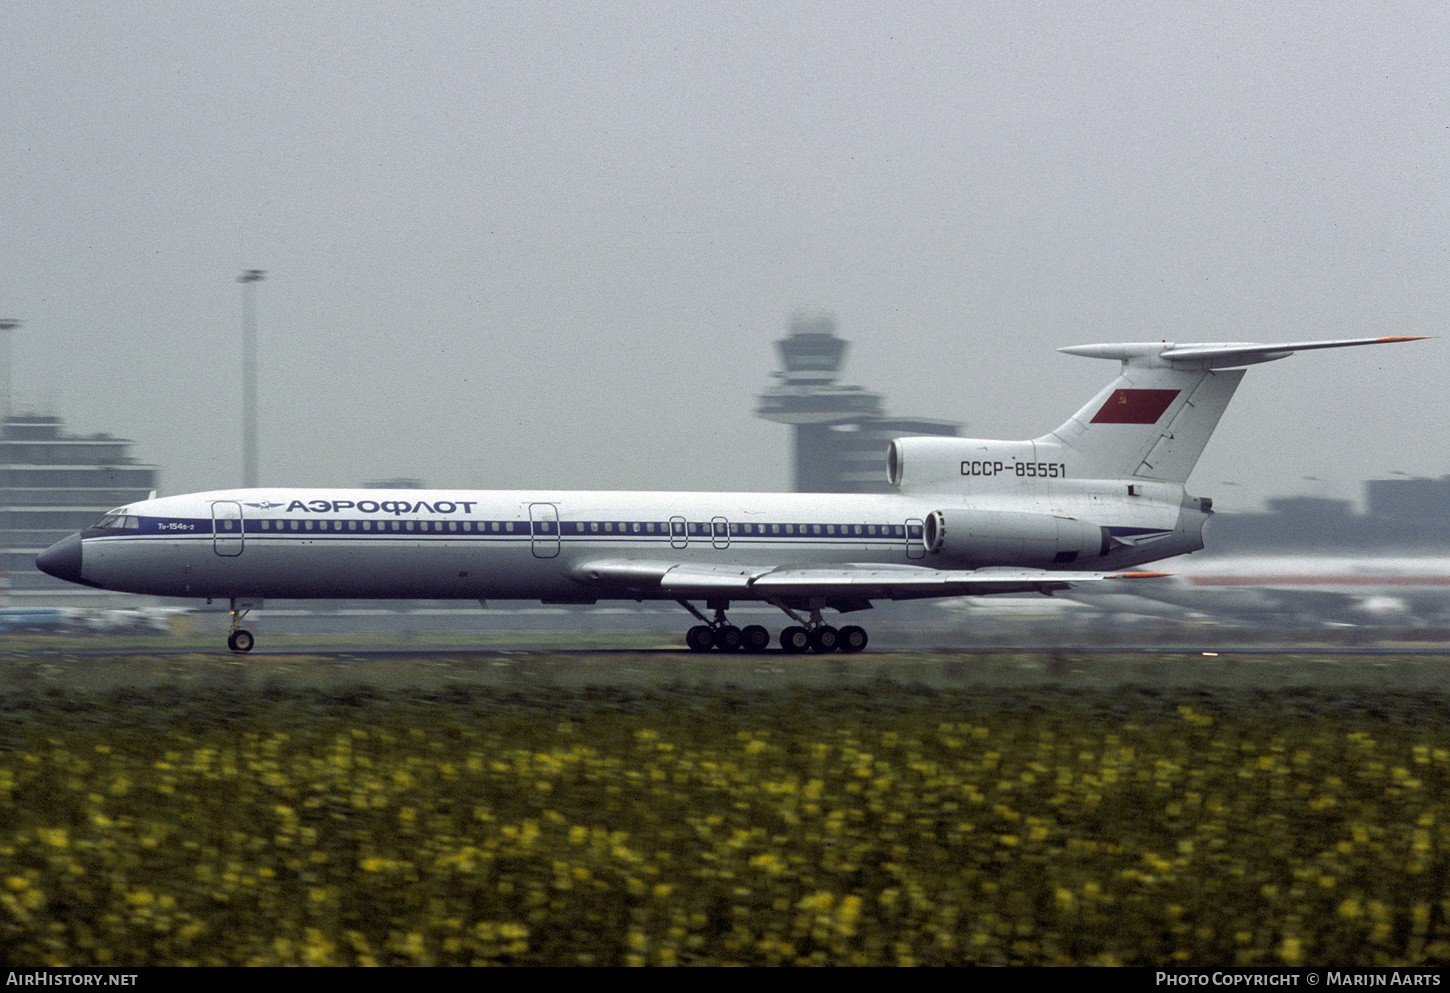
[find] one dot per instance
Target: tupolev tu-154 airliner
(1093, 500)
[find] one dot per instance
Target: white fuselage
(445, 544)
(1102, 492)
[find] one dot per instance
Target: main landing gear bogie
(814, 636)
(728, 638)
(823, 639)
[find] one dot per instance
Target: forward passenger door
(227, 536)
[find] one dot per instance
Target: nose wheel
(238, 638)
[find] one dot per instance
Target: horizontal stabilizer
(1153, 421)
(1223, 355)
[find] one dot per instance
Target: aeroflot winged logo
(1135, 406)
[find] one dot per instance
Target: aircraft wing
(852, 580)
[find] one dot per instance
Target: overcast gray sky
(551, 243)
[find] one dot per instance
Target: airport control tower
(841, 432)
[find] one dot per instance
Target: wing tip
(1388, 339)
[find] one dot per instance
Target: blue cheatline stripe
(592, 531)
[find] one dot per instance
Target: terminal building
(840, 432)
(1409, 499)
(53, 484)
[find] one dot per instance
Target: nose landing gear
(239, 639)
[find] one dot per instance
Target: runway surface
(1380, 669)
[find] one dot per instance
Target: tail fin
(1154, 420)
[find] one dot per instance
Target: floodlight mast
(249, 280)
(7, 325)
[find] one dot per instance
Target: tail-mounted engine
(958, 464)
(998, 537)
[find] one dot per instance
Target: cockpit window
(117, 522)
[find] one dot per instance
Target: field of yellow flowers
(878, 825)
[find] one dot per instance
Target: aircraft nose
(62, 560)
